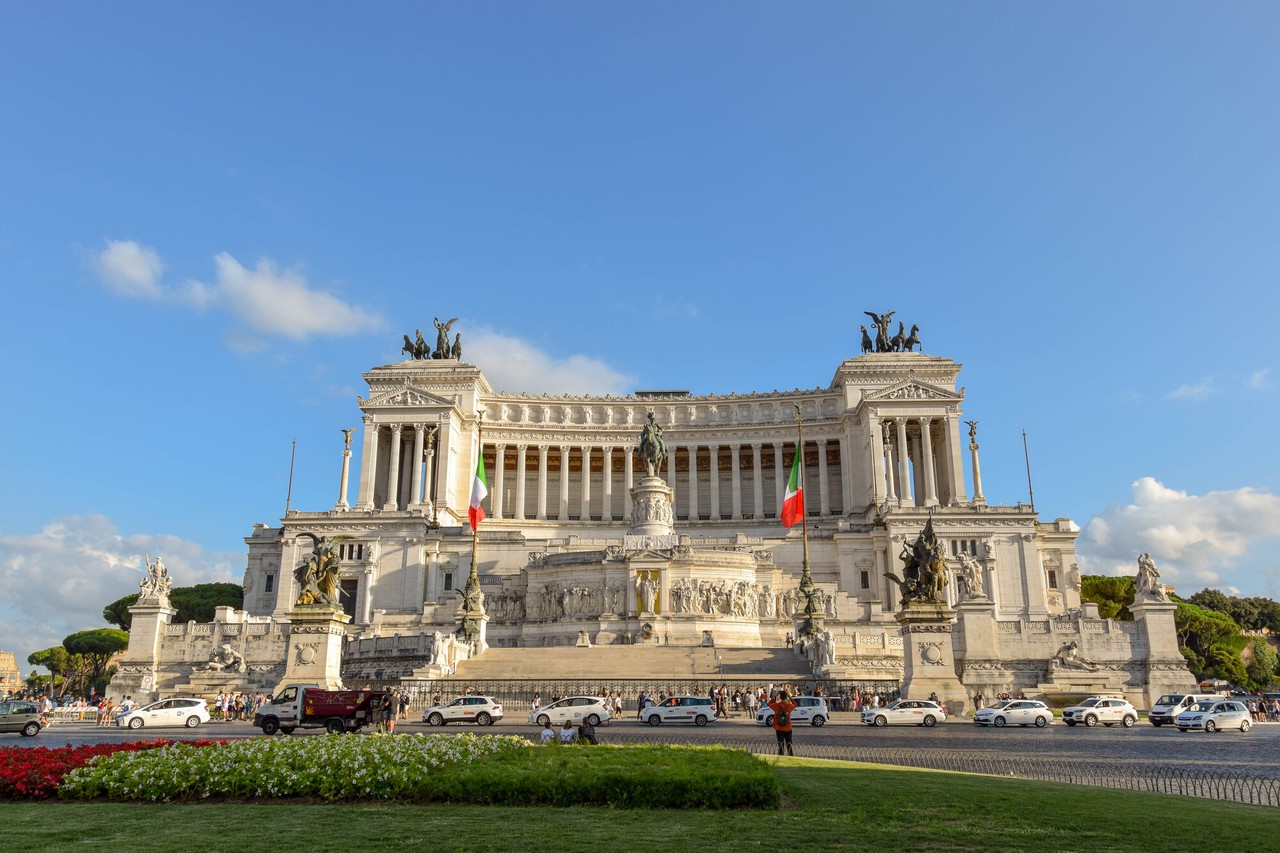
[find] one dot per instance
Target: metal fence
(1166, 779)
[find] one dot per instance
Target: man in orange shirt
(782, 708)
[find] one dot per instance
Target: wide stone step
(633, 662)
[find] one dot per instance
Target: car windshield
(1089, 703)
(1170, 699)
(999, 705)
(1201, 706)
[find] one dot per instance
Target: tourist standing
(782, 708)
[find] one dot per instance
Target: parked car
(1017, 712)
(698, 710)
(20, 716)
(1210, 716)
(481, 710)
(181, 711)
(1170, 705)
(1107, 710)
(906, 712)
(809, 709)
(574, 709)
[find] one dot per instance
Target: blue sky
(214, 217)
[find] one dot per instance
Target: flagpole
(473, 579)
(472, 598)
(812, 623)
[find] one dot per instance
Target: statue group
(884, 342)
(155, 587)
(318, 575)
(418, 348)
(924, 569)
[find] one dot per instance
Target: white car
(1214, 715)
(1016, 712)
(575, 709)
(698, 710)
(906, 712)
(1107, 710)
(809, 709)
(480, 710)
(182, 711)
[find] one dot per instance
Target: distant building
(10, 675)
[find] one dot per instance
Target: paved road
(1252, 753)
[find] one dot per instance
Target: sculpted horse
(897, 341)
(913, 340)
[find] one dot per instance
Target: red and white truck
(310, 706)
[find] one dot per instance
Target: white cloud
(268, 302)
(1198, 391)
(279, 302)
(513, 365)
(1195, 539)
(58, 580)
(131, 269)
(1260, 380)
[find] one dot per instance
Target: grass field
(828, 806)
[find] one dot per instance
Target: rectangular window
(1053, 579)
(448, 581)
(271, 583)
(866, 579)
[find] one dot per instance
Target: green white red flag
(479, 491)
(793, 501)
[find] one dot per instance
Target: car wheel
(1157, 725)
(438, 720)
(700, 720)
(930, 721)
(1181, 729)
(483, 719)
(1210, 726)
(1091, 721)
(270, 726)
(32, 729)
(654, 720)
(1245, 725)
(999, 721)
(1041, 722)
(818, 721)
(335, 726)
(193, 721)
(543, 720)
(593, 719)
(1128, 721)
(768, 721)
(882, 720)
(135, 723)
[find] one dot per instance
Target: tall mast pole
(288, 497)
(812, 624)
(1027, 457)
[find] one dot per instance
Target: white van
(1169, 706)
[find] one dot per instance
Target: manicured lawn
(828, 806)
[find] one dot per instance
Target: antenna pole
(288, 498)
(1027, 457)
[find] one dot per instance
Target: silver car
(1215, 715)
(1017, 712)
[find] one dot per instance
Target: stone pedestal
(1166, 667)
(928, 658)
(138, 672)
(316, 633)
(651, 508)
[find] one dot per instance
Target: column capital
(757, 445)
(522, 446)
(925, 420)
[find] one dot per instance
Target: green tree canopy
(193, 603)
(1113, 595)
(1262, 665)
(97, 647)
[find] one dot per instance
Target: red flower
(34, 773)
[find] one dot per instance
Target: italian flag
(479, 490)
(793, 501)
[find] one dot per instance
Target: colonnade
(713, 482)
(920, 460)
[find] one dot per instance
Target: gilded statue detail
(924, 569)
(318, 575)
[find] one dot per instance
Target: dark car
(20, 716)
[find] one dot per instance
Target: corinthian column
(926, 459)
(393, 475)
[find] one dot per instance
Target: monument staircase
(638, 662)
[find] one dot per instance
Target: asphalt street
(1253, 753)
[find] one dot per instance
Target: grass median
(826, 805)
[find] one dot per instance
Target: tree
(1262, 664)
(97, 647)
(193, 603)
(1113, 595)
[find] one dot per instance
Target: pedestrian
(782, 708)
(548, 734)
(587, 733)
(389, 707)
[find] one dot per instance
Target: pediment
(913, 389)
(407, 396)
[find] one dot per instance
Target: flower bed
(335, 767)
(34, 773)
